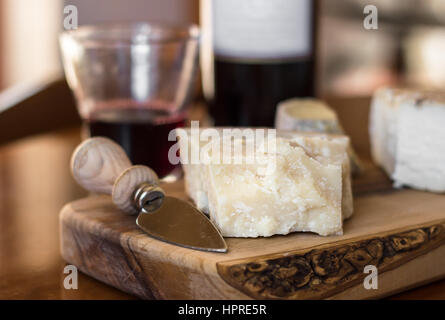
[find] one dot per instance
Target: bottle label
(262, 29)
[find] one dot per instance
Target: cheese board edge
(341, 279)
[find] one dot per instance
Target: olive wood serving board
(401, 232)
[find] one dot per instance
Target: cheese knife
(100, 165)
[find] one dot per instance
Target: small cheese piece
(307, 115)
(408, 137)
(311, 115)
(309, 190)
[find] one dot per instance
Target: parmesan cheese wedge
(309, 188)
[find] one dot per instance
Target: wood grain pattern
(400, 231)
(321, 272)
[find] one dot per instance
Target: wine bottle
(254, 54)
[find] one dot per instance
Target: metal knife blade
(178, 222)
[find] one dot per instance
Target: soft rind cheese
(308, 115)
(408, 137)
(309, 190)
(311, 115)
(383, 121)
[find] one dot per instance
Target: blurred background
(406, 49)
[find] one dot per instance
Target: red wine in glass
(143, 133)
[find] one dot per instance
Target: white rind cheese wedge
(309, 190)
(311, 115)
(383, 120)
(307, 115)
(407, 130)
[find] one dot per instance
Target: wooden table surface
(35, 183)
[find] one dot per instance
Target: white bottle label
(262, 29)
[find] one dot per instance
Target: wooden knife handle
(127, 183)
(100, 165)
(97, 162)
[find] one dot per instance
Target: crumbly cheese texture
(312, 115)
(331, 149)
(407, 130)
(308, 190)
